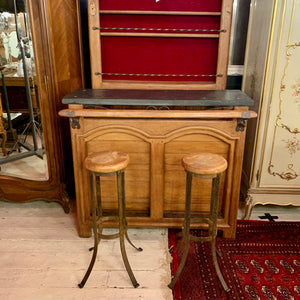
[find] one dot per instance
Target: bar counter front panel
(157, 128)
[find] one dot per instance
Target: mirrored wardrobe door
(41, 62)
(23, 152)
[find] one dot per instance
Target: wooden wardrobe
(272, 156)
(55, 29)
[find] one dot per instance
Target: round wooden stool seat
(106, 162)
(204, 163)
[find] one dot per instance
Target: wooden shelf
(169, 35)
(155, 12)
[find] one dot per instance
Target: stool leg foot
(129, 241)
(213, 228)
(217, 268)
(186, 229)
(181, 265)
(90, 268)
(126, 262)
(122, 226)
(96, 241)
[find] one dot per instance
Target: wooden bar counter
(156, 128)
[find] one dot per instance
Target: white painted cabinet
(271, 172)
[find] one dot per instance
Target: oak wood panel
(175, 189)
(66, 63)
(172, 114)
(157, 178)
(175, 176)
(224, 43)
(137, 174)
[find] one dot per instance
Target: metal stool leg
(124, 218)
(213, 227)
(98, 208)
(121, 201)
(130, 242)
(95, 231)
(186, 230)
(98, 190)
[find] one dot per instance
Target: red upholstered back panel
(160, 55)
(143, 55)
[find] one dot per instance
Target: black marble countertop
(224, 98)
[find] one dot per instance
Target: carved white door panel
(281, 152)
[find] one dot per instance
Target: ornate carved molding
(289, 173)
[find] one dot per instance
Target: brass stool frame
(98, 220)
(211, 220)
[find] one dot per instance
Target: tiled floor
(42, 257)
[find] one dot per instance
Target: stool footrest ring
(200, 238)
(108, 236)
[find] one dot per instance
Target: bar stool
(108, 163)
(203, 165)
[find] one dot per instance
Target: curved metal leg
(181, 265)
(130, 242)
(121, 201)
(124, 217)
(186, 230)
(98, 209)
(126, 262)
(99, 233)
(95, 248)
(217, 268)
(213, 228)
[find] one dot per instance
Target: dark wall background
(85, 42)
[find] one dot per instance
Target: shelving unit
(159, 45)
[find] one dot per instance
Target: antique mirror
(23, 153)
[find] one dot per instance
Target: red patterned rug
(263, 262)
